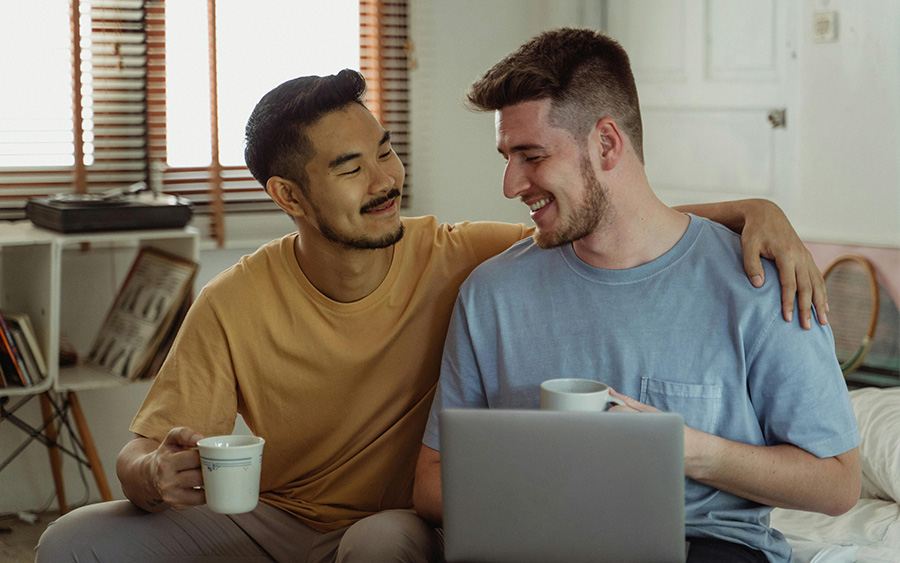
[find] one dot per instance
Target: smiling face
(550, 171)
(355, 180)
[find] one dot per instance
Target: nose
(383, 178)
(514, 180)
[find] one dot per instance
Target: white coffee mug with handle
(573, 394)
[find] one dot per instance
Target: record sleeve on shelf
(144, 312)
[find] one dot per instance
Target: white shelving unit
(66, 283)
(29, 278)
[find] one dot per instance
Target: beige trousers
(119, 532)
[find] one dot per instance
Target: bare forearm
(782, 476)
(133, 467)
(427, 491)
(732, 214)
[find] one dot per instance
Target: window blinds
(118, 127)
(113, 82)
(107, 135)
(384, 52)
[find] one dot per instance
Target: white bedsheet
(867, 533)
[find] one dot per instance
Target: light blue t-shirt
(685, 333)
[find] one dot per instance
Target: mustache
(378, 202)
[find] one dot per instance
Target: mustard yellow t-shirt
(340, 391)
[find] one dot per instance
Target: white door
(715, 80)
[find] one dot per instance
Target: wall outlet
(825, 27)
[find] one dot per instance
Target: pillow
(878, 415)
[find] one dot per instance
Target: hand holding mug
(572, 394)
(628, 404)
(175, 470)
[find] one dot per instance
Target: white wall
(456, 169)
(849, 118)
(848, 157)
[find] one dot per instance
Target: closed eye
(354, 171)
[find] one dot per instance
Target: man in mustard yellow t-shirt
(328, 343)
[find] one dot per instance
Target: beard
(361, 243)
(358, 242)
(585, 218)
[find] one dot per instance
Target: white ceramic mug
(231, 467)
(571, 394)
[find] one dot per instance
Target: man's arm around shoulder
(156, 476)
(766, 232)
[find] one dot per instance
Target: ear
(610, 142)
(287, 195)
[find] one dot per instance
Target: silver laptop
(537, 486)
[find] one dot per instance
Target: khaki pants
(119, 532)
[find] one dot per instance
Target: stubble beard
(585, 219)
(361, 243)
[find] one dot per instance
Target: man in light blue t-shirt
(618, 287)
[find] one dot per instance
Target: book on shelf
(9, 375)
(25, 338)
(145, 312)
(15, 371)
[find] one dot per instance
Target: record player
(134, 208)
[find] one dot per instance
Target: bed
(870, 531)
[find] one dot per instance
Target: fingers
(804, 300)
(617, 395)
(820, 299)
(787, 273)
(812, 292)
(788, 277)
(631, 405)
(179, 481)
(181, 438)
(767, 233)
(753, 265)
(803, 280)
(624, 398)
(819, 293)
(177, 469)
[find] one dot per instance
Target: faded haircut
(585, 74)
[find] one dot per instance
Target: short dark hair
(276, 140)
(585, 74)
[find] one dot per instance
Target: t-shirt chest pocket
(699, 404)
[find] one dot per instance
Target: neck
(638, 229)
(342, 274)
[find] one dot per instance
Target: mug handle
(614, 400)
